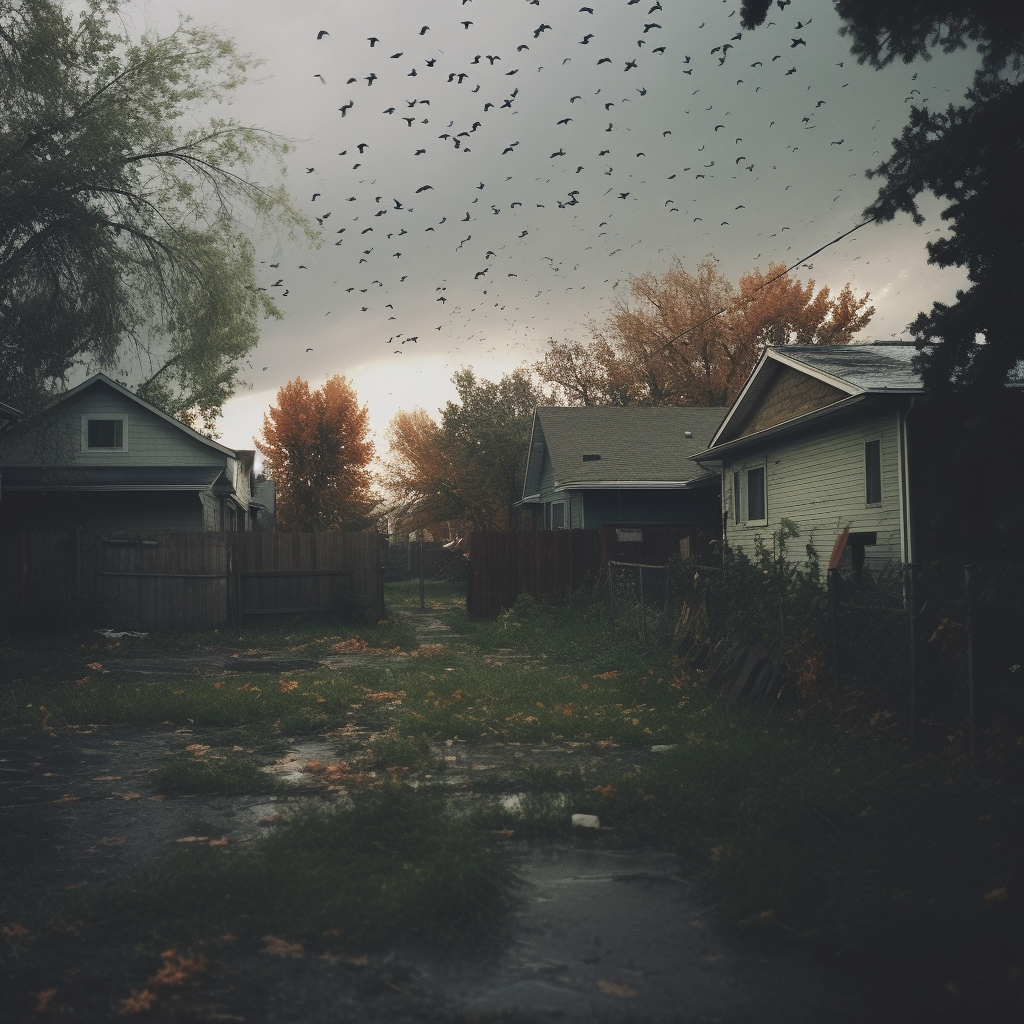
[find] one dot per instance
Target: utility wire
(781, 273)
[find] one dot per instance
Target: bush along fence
(152, 579)
(933, 653)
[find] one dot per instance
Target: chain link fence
(934, 653)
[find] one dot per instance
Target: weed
(209, 771)
(391, 749)
(396, 867)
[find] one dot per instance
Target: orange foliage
(692, 339)
(317, 448)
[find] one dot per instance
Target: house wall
(634, 507)
(31, 511)
(817, 481)
(148, 440)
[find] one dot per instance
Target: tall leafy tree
(686, 338)
(468, 469)
(316, 446)
(970, 155)
(121, 241)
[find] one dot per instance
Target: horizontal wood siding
(149, 440)
(818, 483)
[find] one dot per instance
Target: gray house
(820, 436)
(621, 466)
(103, 458)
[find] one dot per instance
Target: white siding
(148, 440)
(818, 483)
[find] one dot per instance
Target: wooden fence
(550, 564)
(152, 579)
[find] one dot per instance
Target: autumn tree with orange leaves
(317, 449)
(692, 339)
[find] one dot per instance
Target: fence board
(150, 579)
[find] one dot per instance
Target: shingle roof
(872, 368)
(635, 443)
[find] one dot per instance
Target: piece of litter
(663, 748)
(586, 821)
(111, 634)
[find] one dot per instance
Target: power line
(764, 284)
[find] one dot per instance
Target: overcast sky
(530, 226)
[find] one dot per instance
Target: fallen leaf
(223, 841)
(94, 665)
(615, 988)
(995, 895)
(105, 778)
(67, 798)
(280, 947)
(44, 999)
(138, 1002)
(614, 674)
(13, 931)
(192, 839)
(127, 796)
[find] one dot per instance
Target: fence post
(611, 596)
(912, 640)
(972, 707)
(423, 605)
(643, 609)
(833, 649)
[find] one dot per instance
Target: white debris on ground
(586, 821)
(112, 634)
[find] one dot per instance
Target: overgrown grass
(394, 867)
(209, 771)
(301, 703)
(438, 595)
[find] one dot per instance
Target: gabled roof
(638, 446)
(102, 378)
(856, 371)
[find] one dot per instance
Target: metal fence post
(643, 608)
(912, 640)
(833, 649)
(972, 707)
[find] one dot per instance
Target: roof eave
(640, 485)
(835, 410)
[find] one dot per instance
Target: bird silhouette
(323, 32)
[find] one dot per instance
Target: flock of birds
(475, 241)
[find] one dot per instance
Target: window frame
(88, 419)
(761, 466)
(737, 502)
(565, 514)
(868, 503)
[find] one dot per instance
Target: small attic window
(105, 434)
(591, 458)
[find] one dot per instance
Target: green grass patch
(211, 771)
(394, 868)
(438, 595)
(391, 749)
(579, 633)
(263, 705)
(458, 696)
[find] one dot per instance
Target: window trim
(565, 514)
(737, 503)
(87, 419)
(872, 504)
(763, 466)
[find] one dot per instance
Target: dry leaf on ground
(277, 946)
(616, 988)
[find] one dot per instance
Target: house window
(105, 434)
(873, 472)
(757, 505)
(737, 516)
(558, 515)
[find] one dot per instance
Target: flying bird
(323, 32)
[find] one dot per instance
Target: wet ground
(601, 933)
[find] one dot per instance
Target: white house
(821, 436)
